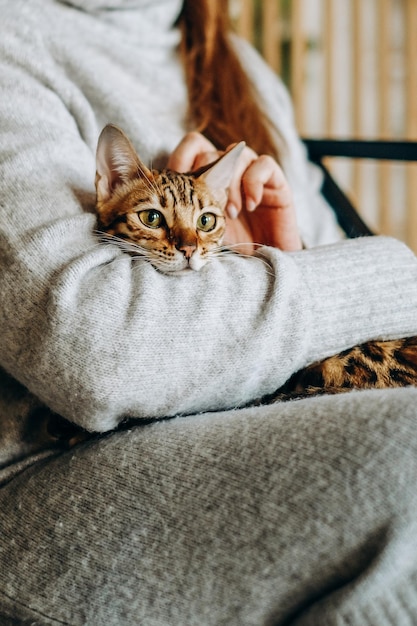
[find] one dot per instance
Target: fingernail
(250, 205)
(232, 211)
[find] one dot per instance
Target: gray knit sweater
(97, 338)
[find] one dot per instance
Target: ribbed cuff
(368, 291)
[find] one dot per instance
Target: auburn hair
(223, 103)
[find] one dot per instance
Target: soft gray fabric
(237, 517)
(303, 515)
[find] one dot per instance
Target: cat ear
(116, 161)
(219, 174)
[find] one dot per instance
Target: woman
(300, 513)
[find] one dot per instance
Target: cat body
(371, 365)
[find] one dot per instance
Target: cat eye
(151, 218)
(206, 222)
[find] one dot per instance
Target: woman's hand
(260, 209)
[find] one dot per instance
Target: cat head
(176, 221)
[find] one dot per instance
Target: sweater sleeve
(99, 337)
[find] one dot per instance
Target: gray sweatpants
(296, 514)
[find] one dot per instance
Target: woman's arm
(98, 337)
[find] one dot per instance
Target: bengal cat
(177, 223)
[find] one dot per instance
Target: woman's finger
(266, 189)
(193, 151)
(264, 182)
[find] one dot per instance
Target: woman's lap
(244, 517)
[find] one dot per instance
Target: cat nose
(187, 249)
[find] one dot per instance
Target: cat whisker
(236, 248)
(137, 252)
(127, 246)
(226, 253)
(244, 243)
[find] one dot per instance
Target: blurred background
(351, 68)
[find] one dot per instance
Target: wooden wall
(351, 67)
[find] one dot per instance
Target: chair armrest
(361, 149)
(318, 149)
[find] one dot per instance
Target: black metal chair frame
(319, 149)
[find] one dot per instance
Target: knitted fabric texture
(287, 514)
